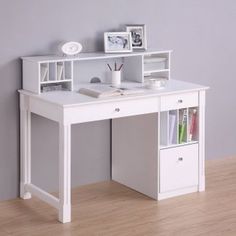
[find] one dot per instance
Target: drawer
(178, 101)
(178, 167)
(111, 110)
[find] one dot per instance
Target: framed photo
(138, 34)
(117, 42)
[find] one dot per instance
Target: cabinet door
(178, 167)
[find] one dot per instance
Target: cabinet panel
(178, 167)
(178, 101)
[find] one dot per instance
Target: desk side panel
(134, 153)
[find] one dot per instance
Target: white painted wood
(46, 109)
(31, 76)
(134, 153)
(133, 69)
(25, 147)
(164, 128)
(179, 101)
(177, 145)
(72, 99)
(139, 161)
(201, 130)
(110, 110)
(90, 56)
(64, 173)
(178, 168)
(178, 192)
(41, 194)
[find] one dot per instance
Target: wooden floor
(111, 209)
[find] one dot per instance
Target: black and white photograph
(116, 42)
(138, 34)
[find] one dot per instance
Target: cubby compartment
(179, 127)
(56, 86)
(60, 75)
(56, 76)
(156, 62)
(86, 70)
(44, 72)
(169, 128)
(68, 70)
(52, 72)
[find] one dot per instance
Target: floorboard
(110, 209)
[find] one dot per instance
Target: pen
(109, 67)
(120, 66)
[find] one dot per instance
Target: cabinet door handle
(180, 159)
(180, 101)
(117, 109)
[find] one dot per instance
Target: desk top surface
(73, 98)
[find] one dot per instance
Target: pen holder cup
(115, 78)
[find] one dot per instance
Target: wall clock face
(71, 48)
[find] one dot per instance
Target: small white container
(155, 83)
(115, 78)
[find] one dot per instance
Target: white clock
(71, 48)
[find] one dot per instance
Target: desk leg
(65, 173)
(202, 141)
(25, 152)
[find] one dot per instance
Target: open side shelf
(179, 127)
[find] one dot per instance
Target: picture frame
(138, 34)
(117, 42)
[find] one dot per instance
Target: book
(182, 126)
(172, 133)
(192, 123)
(103, 91)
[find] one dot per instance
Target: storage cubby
(179, 127)
(68, 70)
(49, 87)
(43, 72)
(60, 75)
(52, 72)
(155, 62)
(156, 75)
(56, 76)
(156, 66)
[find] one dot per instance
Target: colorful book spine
(172, 123)
(182, 127)
(192, 124)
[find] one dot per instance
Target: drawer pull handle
(117, 109)
(180, 159)
(180, 101)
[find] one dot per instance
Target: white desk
(69, 108)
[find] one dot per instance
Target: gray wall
(201, 33)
